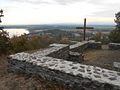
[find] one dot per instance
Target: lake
(16, 32)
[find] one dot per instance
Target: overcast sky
(59, 11)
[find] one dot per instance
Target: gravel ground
(102, 58)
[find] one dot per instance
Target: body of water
(16, 32)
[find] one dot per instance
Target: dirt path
(102, 58)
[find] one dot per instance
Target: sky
(19, 12)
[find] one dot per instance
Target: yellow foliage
(64, 40)
(98, 36)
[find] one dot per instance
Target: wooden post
(84, 28)
(1, 15)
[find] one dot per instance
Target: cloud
(47, 11)
(65, 2)
(32, 1)
(108, 8)
(61, 2)
(104, 13)
(103, 2)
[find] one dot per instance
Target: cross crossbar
(84, 28)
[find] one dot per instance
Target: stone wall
(114, 46)
(94, 45)
(75, 75)
(79, 47)
(53, 64)
(75, 57)
(62, 53)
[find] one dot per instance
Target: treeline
(114, 35)
(24, 43)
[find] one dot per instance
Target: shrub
(19, 44)
(114, 36)
(24, 43)
(4, 42)
(105, 39)
(64, 40)
(97, 36)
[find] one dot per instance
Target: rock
(114, 46)
(116, 65)
(75, 57)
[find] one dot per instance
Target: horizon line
(59, 24)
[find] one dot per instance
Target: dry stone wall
(48, 65)
(79, 47)
(114, 46)
(94, 45)
(75, 57)
(75, 75)
(62, 53)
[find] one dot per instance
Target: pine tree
(117, 20)
(114, 35)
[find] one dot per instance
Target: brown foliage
(97, 36)
(24, 43)
(64, 40)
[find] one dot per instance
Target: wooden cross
(84, 28)
(1, 15)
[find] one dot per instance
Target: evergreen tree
(114, 35)
(117, 20)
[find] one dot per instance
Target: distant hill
(54, 27)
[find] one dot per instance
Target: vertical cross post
(84, 28)
(1, 15)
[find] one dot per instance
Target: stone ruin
(114, 46)
(60, 64)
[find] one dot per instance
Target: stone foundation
(62, 53)
(79, 47)
(94, 45)
(76, 57)
(46, 64)
(114, 46)
(75, 75)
